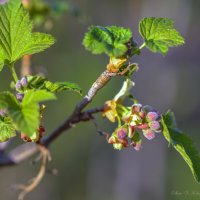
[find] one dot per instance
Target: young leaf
(39, 82)
(8, 101)
(28, 117)
(36, 96)
(7, 129)
(16, 37)
(182, 143)
(25, 116)
(110, 40)
(159, 34)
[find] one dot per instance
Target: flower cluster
(139, 119)
(20, 86)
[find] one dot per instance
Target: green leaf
(182, 143)
(38, 43)
(8, 101)
(110, 40)
(7, 129)
(16, 37)
(25, 116)
(39, 82)
(28, 117)
(36, 96)
(159, 34)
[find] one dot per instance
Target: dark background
(89, 168)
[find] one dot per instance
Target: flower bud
(124, 142)
(19, 96)
(142, 126)
(154, 125)
(148, 108)
(25, 138)
(142, 114)
(121, 133)
(137, 146)
(135, 120)
(152, 116)
(149, 134)
(136, 108)
(3, 1)
(24, 82)
(18, 85)
(112, 140)
(2, 113)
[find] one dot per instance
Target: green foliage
(36, 96)
(8, 101)
(182, 143)
(25, 115)
(7, 129)
(159, 34)
(39, 82)
(16, 37)
(110, 40)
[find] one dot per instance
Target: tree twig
(26, 65)
(25, 151)
(77, 115)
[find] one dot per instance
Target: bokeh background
(89, 168)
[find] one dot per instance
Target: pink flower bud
(137, 146)
(154, 125)
(24, 82)
(121, 133)
(152, 116)
(136, 108)
(3, 1)
(149, 134)
(124, 142)
(18, 85)
(142, 126)
(2, 113)
(142, 114)
(19, 96)
(148, 108)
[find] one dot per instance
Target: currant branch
(22, 112)
(27, 150)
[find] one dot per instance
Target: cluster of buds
(20, 86)
(2, 112)
(140, 119)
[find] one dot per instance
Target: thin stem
(142, 46)
(14, 74)
(102, 80)
(119, 121)
(23, 152)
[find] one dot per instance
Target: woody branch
(25, 151)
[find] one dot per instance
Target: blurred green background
(89, 168)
